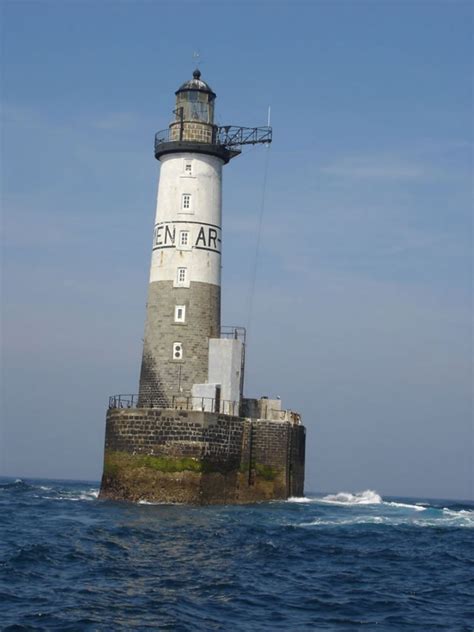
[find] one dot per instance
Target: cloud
(373, 169)
(77, 122)
(246, 225)
(116, 121)
(22, 116)
(420, 160)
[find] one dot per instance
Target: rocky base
(201, 458)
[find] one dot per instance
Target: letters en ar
(207, 237)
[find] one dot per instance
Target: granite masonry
(162, 377)
(197, 457)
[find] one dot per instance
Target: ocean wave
(74, 496)
(301, 499)
(340, 522)
(415, 507)
(48, 492)
(445, 518)
(461, 517)
(460, 512)
(85, 494)
(381, 512)
(367, 497)
(17, 485)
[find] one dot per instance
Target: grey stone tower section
(183, 307)
(163, 379)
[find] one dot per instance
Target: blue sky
(361, 317)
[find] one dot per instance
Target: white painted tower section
(187, 236)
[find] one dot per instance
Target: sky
(361, 314)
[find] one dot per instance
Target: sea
(342, 561)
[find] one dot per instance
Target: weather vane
(197, 58)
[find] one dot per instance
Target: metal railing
(123, 401)
(177, 402)
(234, 332)
(235, 136)
(203, 404)
(228, 136)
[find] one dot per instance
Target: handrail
(235, 332)
(231, 137)
(176, 402)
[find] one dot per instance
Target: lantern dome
(196, 84)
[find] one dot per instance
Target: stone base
(195, 457)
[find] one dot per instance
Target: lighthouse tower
(183, 308)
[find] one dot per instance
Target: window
(177, 351)
(184, 238)
(188, 169)
(180, 313)
(181, 277)
(186, 203)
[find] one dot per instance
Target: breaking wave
(367, 497)
(388, 512)
(415, 507)
(391, 513)
(51, 492)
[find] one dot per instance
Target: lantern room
(195, 101)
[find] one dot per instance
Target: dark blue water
(71, 562)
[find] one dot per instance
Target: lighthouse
(190, 435)
(184, 295)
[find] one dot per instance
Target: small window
(188, 168)
(177, 351)
(180, 314)
(186, 204)
(181, 277)
(184, 238)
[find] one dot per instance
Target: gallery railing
(232, 137)
(234, 332)
(178, 402)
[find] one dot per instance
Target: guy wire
(253, 281)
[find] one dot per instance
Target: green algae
(116, 461)
(265, 471)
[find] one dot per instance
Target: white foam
(85, 494)
(438, 518)
(460, 512)
(301, 499)
(462, 517)
(405, 506)
(347, 521)
(367, 497)
(92, 494)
